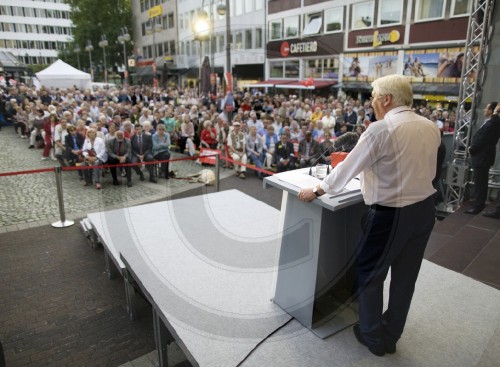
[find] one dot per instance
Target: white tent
(62, 75)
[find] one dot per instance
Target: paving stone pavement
(30, 200)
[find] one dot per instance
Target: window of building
(238, 7)
(333, 19)
(331, 68)
(258, 38)
(429, 9)
(239, 40)
(275, 30)
(362, 15)
(171, 20)
(313, 68)
(220, 42)
(188, 48)
(173, 51)
(276, 69)
(292, 68)
(259, 4)
(248, 6)
(313, 24)
(461, 7)
(391, 12)
(291, 25)
(182, 48)
(248, 39)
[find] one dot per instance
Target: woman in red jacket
(49, 127)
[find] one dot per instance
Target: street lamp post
(89, 48)
(224, 9)
(77, 51)
(103, 43)
(153, 27)
(123, 38)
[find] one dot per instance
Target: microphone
(346, 142)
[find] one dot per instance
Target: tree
(92, 19)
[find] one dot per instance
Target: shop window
(291, 26)
(276, 69)
(334, 19)
(362, 15)
(275, 30)
(391, 12)
(313, 24)
(313, 68)
(429, 9)
(461, 7)
(292, 69)
(331, 68)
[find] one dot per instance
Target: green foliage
(38, 67)
(92, 19)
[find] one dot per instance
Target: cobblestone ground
(30, 200)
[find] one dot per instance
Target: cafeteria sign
(376, 39)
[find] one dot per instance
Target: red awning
(269, 83)
(316, 84)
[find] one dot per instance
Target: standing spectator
(49, 127)
(482, 152)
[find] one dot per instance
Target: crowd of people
(135, 125)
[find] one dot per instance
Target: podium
(316, 277)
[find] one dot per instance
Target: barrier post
(63, 222)
(217, 172)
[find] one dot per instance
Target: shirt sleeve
(362, 156)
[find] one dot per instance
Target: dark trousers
(113, 161)
(395, 239)
(480, 185)
(163, 156)
(149, 167)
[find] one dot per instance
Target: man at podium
(396, 161)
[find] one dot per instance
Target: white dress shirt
(395, 158)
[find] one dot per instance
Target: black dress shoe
(153, 180)
(129, 184)
(390, 349)
(378, 351)
(492, 214)
(475, 210)
(141, 177)
(116, 183)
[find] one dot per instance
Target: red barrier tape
(227, 159)
(84, 167)
(42, 170)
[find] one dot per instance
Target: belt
(381, 207)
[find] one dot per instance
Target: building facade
(34, 31)
(185, 53)
(349, 43)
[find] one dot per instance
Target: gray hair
(398, 86)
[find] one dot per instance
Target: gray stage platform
(208, 266)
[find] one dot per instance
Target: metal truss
(473, 73)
